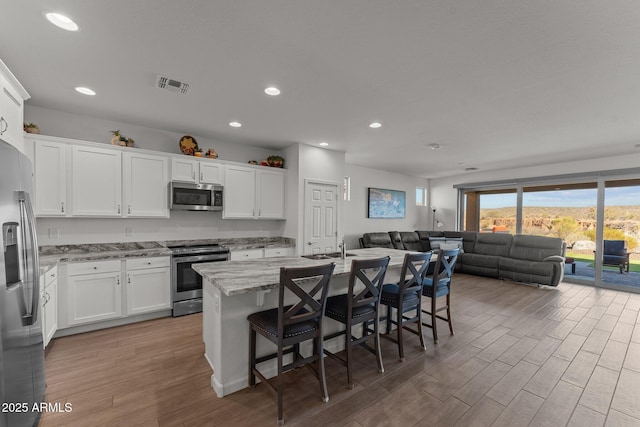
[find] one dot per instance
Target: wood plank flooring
(521, 356)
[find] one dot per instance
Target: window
(421, 196)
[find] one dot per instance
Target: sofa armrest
(554, 258)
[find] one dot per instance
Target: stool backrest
(445, 265)
(372, 287)
(414, 268)
(309, 305)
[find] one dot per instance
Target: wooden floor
(521, 356)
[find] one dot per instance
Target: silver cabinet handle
(201, 176)
(259, 212)
(118, 208)
(62, 207)
(193, 175)
(129, 209)
(128, 278)
(118, 280)
(6, 125)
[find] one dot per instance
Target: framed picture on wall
(386, 203)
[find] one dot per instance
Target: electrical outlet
(128, 231)
(53, 233)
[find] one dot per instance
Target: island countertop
(240, 277)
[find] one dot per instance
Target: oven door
(186, 282)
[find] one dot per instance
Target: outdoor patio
(610, 275)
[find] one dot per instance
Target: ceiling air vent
(164, 82)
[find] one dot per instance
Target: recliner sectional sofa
(521, 258)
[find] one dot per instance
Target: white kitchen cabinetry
(146, 180)
(197, 171)
(261, 253)
(253, 193)
(51, 178)
(12, 97)
(148, 285)
(94, 292)
(96, 182)
(49, 304)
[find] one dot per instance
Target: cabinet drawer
(272, 252)
(250, 254)
(50, 276)
(140, 263)
(75, 269)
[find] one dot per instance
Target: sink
(329, 255)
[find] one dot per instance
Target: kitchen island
(235, 289)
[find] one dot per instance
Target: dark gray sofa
(521, 258)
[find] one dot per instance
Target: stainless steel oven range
(186, 284)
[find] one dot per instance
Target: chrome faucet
(343, 250)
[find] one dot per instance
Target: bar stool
(359, 306)
(439, 285)
(405, 296)
(288, 326)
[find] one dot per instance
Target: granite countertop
(51, 255)
(240, 277)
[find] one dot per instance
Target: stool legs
(252, 357)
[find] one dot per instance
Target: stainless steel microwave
(195, 197)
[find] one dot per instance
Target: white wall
(444, 196)
(181, 225)
(74, 126)
(356, 221)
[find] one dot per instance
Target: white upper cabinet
(96, 182)
(204, 171)
(253, 193)
(146, 181)
(12, 97)
(51, 178)
(270, 183)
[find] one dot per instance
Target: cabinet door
(51, 178)
(94, 297)
(50, 312)
(11, 113)
(239, 192)
(184, 170)
(275, 252)
(146, 183)
(148, 290)
(96, 182)
(211, 173)
(270, 194)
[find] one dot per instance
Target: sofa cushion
(534, 248)
(377, 240)
(492, 244)
(478, 264)
(395, 239)
(411, 241)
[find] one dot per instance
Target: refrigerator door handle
(28, 217)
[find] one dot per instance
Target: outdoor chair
(615, 253)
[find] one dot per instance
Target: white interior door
(320, 218)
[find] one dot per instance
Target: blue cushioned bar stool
(359, 307)
(439, 285)
(406, 296)
(288, 326)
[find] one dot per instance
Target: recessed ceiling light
(85, 91)
(323, 144)
(61, 21)
(434, 146)
(375, 125)
(470, 169)
(235, 124)
(637, 145)
(272, 90)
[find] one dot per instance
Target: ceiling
(495, 83)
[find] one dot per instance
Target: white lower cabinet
(261, 253)
(49, 304)
(148, 285)
(100, 291)
(94, 292)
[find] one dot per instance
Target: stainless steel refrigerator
(22, 380)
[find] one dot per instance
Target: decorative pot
(32, 130)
